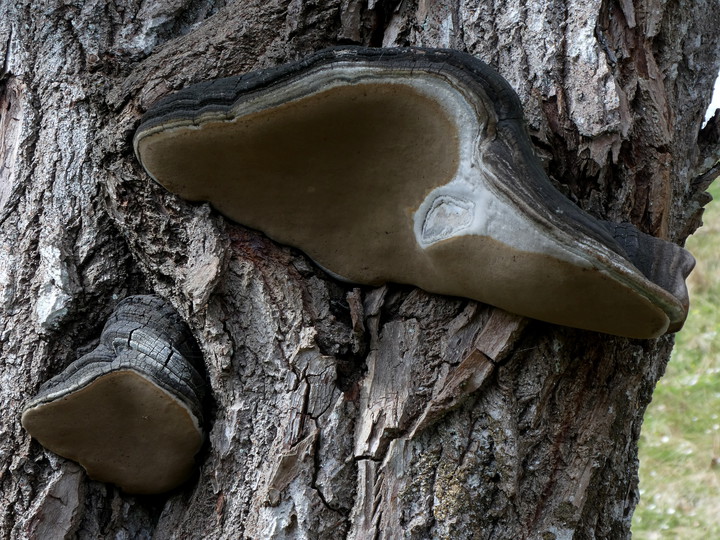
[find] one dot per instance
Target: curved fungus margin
(130, 411)
(410, 166)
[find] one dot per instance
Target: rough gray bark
(337, 411)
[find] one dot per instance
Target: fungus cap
(130, 411)
(411, 166)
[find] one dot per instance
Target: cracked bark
(337, 412)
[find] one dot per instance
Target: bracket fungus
(129, 411)
(412, 166)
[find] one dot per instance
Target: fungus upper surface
(412, 166)
(130, 411)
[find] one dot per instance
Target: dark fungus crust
(413, 166)
(129, 411)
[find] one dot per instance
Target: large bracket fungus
(129, 411)
(412, 166)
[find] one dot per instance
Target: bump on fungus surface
(411, 166)
(129, 411)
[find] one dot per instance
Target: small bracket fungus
(129, 411)
(412, 166)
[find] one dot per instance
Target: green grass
(680, 440)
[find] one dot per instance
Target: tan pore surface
(546, 288)
(122, 429)
(340, 174)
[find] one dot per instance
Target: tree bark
(337, 411)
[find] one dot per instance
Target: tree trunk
(337, 411)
